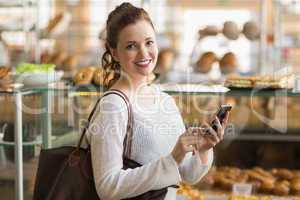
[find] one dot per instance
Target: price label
(242, 189)
(181, 197)
(216, 197)
(297, 84)
(281, 198)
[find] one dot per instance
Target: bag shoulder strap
(129, 133)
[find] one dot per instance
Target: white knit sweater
(156, 129)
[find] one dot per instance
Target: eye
(130, 46)
(149, 43)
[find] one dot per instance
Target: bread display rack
(253, 31)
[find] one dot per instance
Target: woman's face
(137, 50)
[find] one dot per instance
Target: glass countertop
(176, 90)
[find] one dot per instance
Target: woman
(167, 151)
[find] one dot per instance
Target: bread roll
(204, 64)
(4, 71)
(251, 30)
(267, 186)
(253, 175)
(70, 63)
(208, 31)
(84, 76)
(228, 63)
(98, 78)
(263, 172)
(5, 77)
(282, 188)
(295, 186)
(164, 61)
(282, 173)
(60, 57)
(231, 30)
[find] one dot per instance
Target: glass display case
(261, 124)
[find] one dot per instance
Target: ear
(114, 54)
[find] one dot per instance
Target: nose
(143, 52)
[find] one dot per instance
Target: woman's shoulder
(165, 96)
(111, 100)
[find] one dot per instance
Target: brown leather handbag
(65, 173)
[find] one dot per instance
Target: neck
(133, 85)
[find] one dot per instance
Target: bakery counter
(229, 183)
(186, 192)
(64, 106)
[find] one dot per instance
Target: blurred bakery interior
(245, 53)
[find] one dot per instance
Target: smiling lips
(143, 63)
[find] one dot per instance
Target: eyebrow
(148, 38)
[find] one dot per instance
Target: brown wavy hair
(122, 16)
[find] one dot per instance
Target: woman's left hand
(209, 137)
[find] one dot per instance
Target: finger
(189, 148)
(188, 132)
(191, 140)
(211, 142)
(226, 119)
(208, 129)
(211, 133)
(192, 131)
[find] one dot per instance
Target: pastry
(164, 61)
(4, 71)
(84, 76)
(228, 63)
(204, 64)
(263, 172)
(253, 175)
(251, 30)
(295, 186)
(231, 30)
(99, 79)
(5, 77)
(282, 173)
(59, 58)
(267, 186)
(70, 63)
(282, 188)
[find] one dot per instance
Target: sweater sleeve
(191, 168)
(107, 132)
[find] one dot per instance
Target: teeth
(144, 62)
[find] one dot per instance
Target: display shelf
(264, 137)
(38, 141)
(219, 194)
(245, 92)
(92, 89)
(17, 4)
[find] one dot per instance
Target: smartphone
(221, 114)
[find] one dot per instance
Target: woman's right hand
(185, 143)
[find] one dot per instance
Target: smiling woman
(150, 132)
(136, 50)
